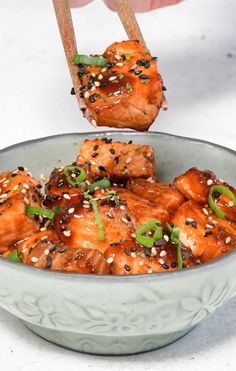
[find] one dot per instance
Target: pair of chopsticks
(66, 29)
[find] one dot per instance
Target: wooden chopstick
(132, 29)
(67, 33)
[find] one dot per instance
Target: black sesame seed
(127, 252)
(114, 244)
(173, 265)
(184, 265)
(110, 64)
(165, 266)
(74, 163)
(112, 151)
(52, 249)
(107, 141)
(95, 147)
(154, 58)
(39, 186)
(21, 168)
(87, 163)
(13, 175)
(92, 98)
(144, 77)
(117, 160)
(130, 142)
(102, 168)
(208, 233)
(60, 184)
(138, 72)
(95, 154)
(63, 228)
(48, 187)
(164, 88)
(133, 249)
(194, 224)
(187, 222)
(143, 62)
(81, 95)
(147, 252)
(82, 87)
(216, 194)
(128, 217)
(30, 249)
(72, 91)
(127, 268)
(49, 261)
(61, 250)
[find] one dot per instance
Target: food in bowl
(106, 213)
(122, 88)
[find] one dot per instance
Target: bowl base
(105, 345)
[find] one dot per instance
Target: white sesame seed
(190, 220)
(34, 259)
(67, 233)
(153, 251)
(3, 180)
(23, 191)
(205, 211)
(25, 185)
(112, 78)
(71, 210)
(150, 180)
(42, 229)
(43, 177)
(148, 154)
(6, 182)
(44, 238)
(87, 182)
(46, 252)
(86, 206)
(100, 76)
(122, 207)
(93, 88)
(222, 180)
(15, 187)
(124, 220)
(4, 195)
(93, 162)
(93, 74)
(161, 261)
(119, 64)
(24, 250)
(26, 200)
(231, 204)
(86, 94)
(134, 66)
(117, 93)
(133, 235)
(66, 196)
(94, 123)
(166, 238)
(118, 57)
(86, 202)
(228, 240)
(110, 260)
(128, 160)
(141, 262)
(209, 226)
(209, 182)
(149, 270)
(104, 69)
(163, 253)
(97, 83)
(133, 255)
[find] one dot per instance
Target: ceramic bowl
(115, 314)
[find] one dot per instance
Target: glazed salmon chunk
(117, 159)
(203, 232)
(18, 190)
(45, 250)
(126, 92)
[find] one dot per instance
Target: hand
(137, 5)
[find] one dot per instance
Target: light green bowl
(115, 314)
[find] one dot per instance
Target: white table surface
(196, 45)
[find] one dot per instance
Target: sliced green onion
(221, 190)
(98, 220)
(57, 209)
(103, 183)
(143, 231)
(78, 180)
(113, 195)
(174, 237)
(35, 210)
(89, 60)
(15, 256)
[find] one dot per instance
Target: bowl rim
(109, 277)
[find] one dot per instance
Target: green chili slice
(80, 175)
(98, 220)
(35, 210)
(103, 183)
(221, 190)
(15, 256)
(89, 60)
(142, 233)
(174, 237)
(114, 196)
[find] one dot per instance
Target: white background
(196, 45)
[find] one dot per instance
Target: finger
(144, 6)
(78, 3)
